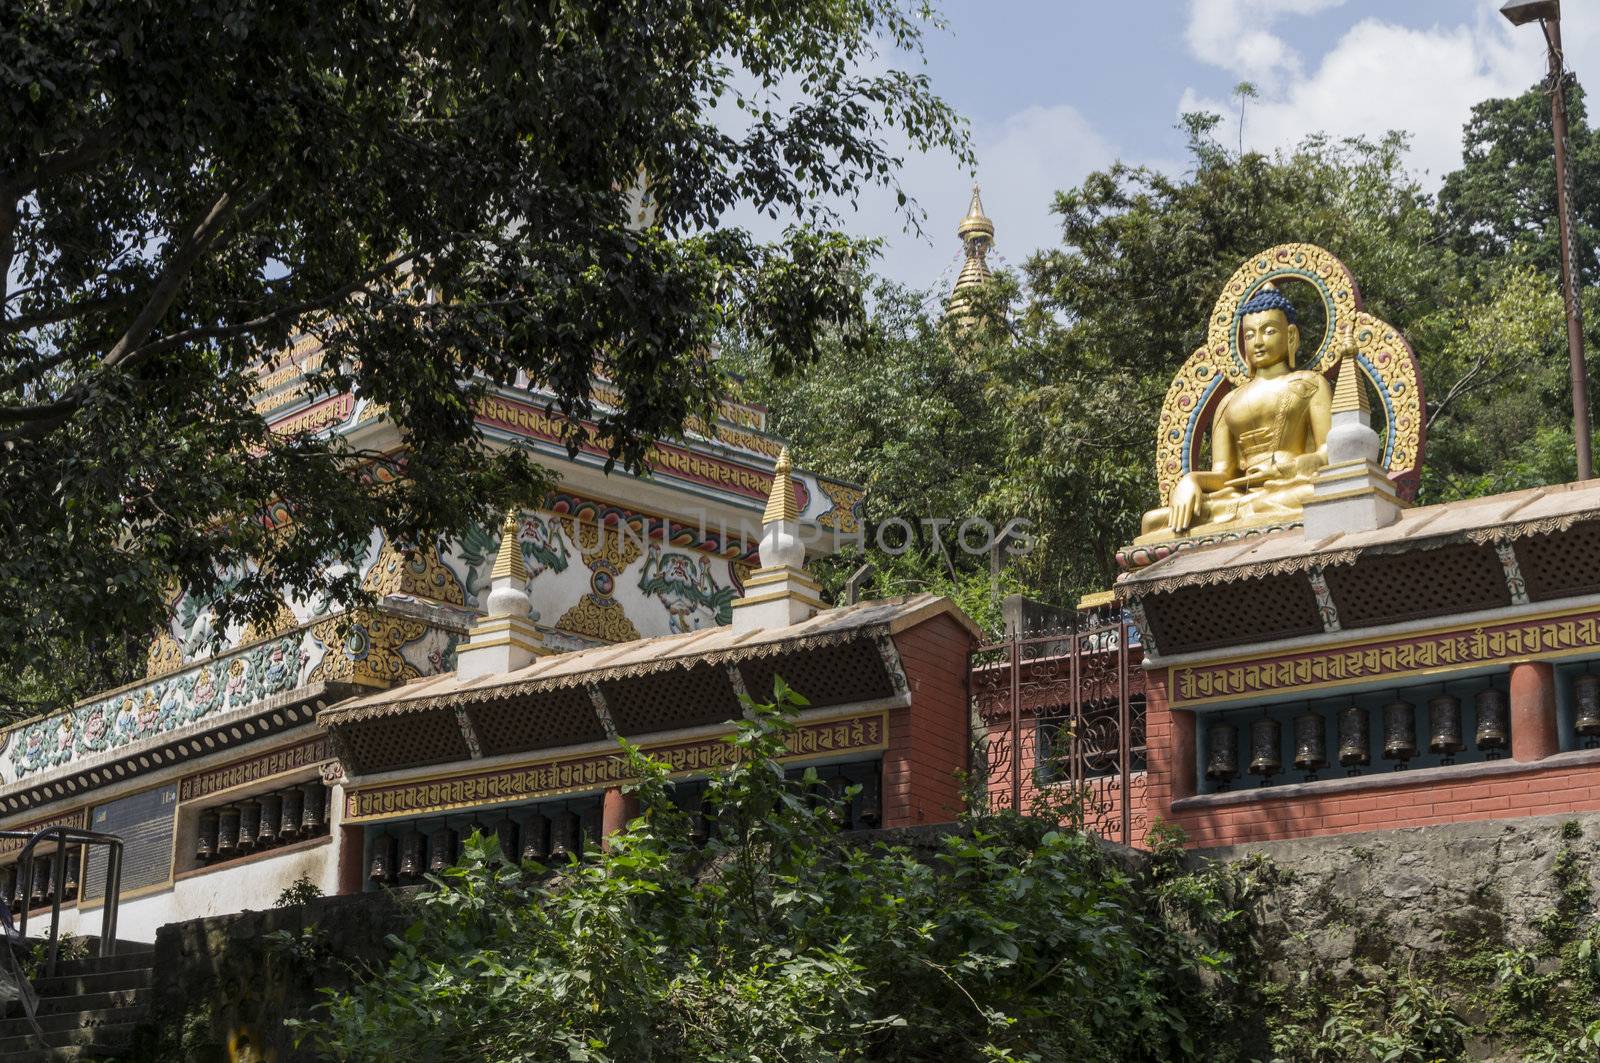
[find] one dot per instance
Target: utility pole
(1548, 13)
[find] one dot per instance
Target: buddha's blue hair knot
(1268, 299)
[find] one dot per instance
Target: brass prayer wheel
(1493, 730)
(1353, 749)
(271, 816)
(1310, 742)
(382, 866)
(1399, 731)
(41, 880)
(870, 802)
(505, 832)
(563, 834)
(249, 824)
(1586, 714)
(441, 848)
(1222, 753)
(8, 882)
(1266, 747)
(69, 885)
(411, 864)
(205, 842)
(289, 823)
(313, 796)
(227, 831)
(1444, 725)
(590, 827)
(535, 838)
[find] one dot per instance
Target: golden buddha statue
(1268, 438)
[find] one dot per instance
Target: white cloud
(1022, 162)
(1235, 35)
(1380, 76)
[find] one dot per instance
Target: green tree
(1501, 203)
(446, 195)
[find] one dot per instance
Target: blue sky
(1056, 89)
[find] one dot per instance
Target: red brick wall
(928, 739)
(1418, 801)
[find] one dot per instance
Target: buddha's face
(1267, 338)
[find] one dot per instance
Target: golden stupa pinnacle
(976, 223)
(508, 562)
(780, 502)
(977, 234)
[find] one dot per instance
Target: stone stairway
(88, 1010)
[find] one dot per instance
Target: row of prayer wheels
(1353, 752)
(41, 890)
(401, 856)
(262, 822)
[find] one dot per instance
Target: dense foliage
(1002, 939)
(1056, 396)
(445, 194)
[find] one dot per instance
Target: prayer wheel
(227, 831)
(205, 842)
(591, 823)
(1222, 753)
(1399, 731)
(271, 818)
(1586, 714)
(1310, 742)
(411, 862)
(43, 888)
(69, 885)
(289, 822)
(249, 824)
(1266, 748)
(441, 848)
(15, 887)
(313, 797)
(1494, 720)
(563, 834)
(1444, 726)
(870, 802)
(383, 862)
(505, 832)
(535, 838)
(1354, 751)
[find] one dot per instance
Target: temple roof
(1486, 520)
(713, 645)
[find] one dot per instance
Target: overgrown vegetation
(1003, 939)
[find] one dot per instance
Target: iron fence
(1058, 723)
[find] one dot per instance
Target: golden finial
(977, 234)
(780, 503)
(1348, 394)
(976, 223)
(508, 561)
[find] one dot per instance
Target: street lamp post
(1548, 14)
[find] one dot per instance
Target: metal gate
(1058, 723)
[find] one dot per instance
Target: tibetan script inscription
(857, 733)
(1443, 651)
(78, 817)
(289, 758)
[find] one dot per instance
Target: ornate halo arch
(1212, 371)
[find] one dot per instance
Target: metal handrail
(64, 837)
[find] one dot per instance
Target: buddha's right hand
(1184, 506)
